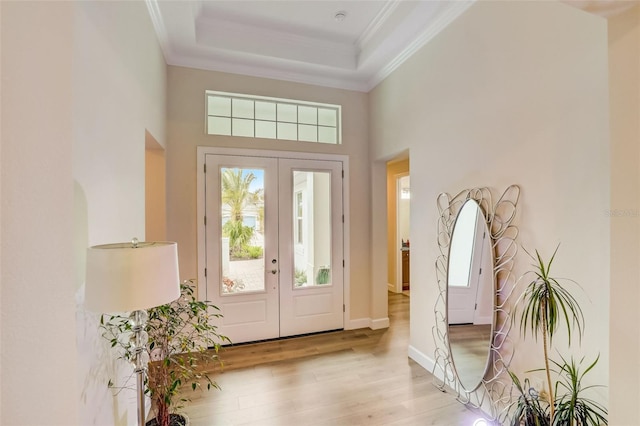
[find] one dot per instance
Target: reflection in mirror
(470, 295)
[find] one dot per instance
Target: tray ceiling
(349, 44)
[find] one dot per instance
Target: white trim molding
(373, 324)
(378, 323)
(423, 360)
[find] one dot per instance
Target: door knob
(274, 271)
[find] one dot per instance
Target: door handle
(274, 271)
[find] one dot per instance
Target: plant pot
(174, 420)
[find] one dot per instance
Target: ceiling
(348, 44)
(300, 41)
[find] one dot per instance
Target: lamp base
(139, 340)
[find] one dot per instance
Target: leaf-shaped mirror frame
(492, 395)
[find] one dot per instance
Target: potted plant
(571, 407)
(547, 304)
(182, 347)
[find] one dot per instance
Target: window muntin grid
(232, 114)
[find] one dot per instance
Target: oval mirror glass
(470, 295)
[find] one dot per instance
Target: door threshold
(275, 339)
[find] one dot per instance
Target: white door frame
(202, 151)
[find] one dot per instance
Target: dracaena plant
(572, 407)
(183, 347)
(529, 408)
(548, 306)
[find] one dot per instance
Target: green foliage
(237, 196)
(239, 236)
(236, 193)
(254, 252)
(183, 347)
(530, 410)
(323, 275)
(547, 304)
(571, 407)
(300, 277)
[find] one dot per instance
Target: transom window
(232, 114)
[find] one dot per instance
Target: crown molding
(435, 27)
(314, 77)
(377, 23)
(159, 27)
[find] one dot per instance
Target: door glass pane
(311, 228)
(242, 244)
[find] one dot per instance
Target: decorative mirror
(477, 246)
(470, 290)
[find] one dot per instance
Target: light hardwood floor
(356, 377)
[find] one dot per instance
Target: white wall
(509, 93)
(81, 82)
(37, 315)
(119, 94)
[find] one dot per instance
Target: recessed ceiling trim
(377, 23)
(448, 16)
(226, 35)
(262, 71)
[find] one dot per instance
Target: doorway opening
(398, 226)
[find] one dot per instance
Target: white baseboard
(357, 323)
(427, 363)
(379, 323)
(421, 358)
(375, 324)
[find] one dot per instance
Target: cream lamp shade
(126, 277)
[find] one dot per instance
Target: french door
(273, 245)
